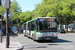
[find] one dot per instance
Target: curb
(19, 46)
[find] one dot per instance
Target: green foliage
(25, 16)
(15, 10)
(2, 9)
(62, 9)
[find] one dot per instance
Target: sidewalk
(13, 46)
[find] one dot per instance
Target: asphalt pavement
(64, 42)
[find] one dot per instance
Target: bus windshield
(47, 26)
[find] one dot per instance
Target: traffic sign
(7, 4)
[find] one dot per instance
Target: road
(64, 42)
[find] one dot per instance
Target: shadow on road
(33, 47)
(54, 41)
(61, 41)
(51, 43)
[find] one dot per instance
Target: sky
(28, 5)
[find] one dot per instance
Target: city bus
(42, 28)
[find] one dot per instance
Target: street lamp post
(7, 33)
(7, 6)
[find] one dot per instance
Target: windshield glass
(47, 26)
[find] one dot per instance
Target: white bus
(42, 28)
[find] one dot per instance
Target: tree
(15, 10)
(2, 9)
(62, 9)
(25, 16)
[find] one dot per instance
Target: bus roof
(40, 18)
(31, 20)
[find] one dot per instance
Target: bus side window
(33, 26)
(29, 26)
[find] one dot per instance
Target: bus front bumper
(47, 38)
